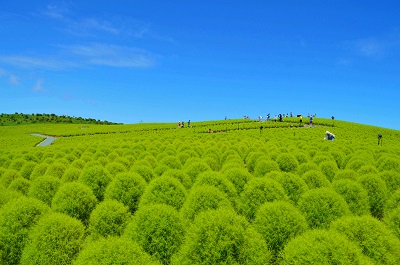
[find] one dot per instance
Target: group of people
(182, 124)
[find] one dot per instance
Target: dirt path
(46, 142)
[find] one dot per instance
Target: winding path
(46, 142)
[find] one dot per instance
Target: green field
(250, 192)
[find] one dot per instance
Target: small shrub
(27, 169)
(127, 188)
(56, 169)
(71, 174)
(39, 170)
(171, 162)
(21, 185)
(179, 175)
(8, 176)
(265, 166)
(346, 174)
(315, 179)
(97, 178)
(392, 179)
(322, 206)
(377, 193)
(238, 177)
(322, 247)
(258, 191)
(389, 163)
(303, 168)
(372, 236)
(392, 219)
(287, 162)
(44, 188)
(278, 222)
(252, 158)
(109, 218)
(195, 168)
(159, 229)
(115, 167)
(393, 202)
(76, 200)
(16, 219)
(203, 198)
(164, 190)
(329, 169)
(293, 185)
(118, 250)
(55, 239)
(354, 194)
(144, 171)
(222, 237)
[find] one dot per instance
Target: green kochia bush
(44, 188)
(76, 200)
(97, 178)
(322, 247)
(113, 250)
(164, 190)
(56, 169)
(392, 219)
(127, 188)
(293, 185)
(21, 185)
(377, 193)
(203, 198)
(375, 239)
(238, 177)
(222, 237)
(8, 176)
(264, 166)
(180, 175)
(278, 222)
(287, 162)
(258, 191)
(393, 202)
(392, 179)
(315, 179)
(354, 194)
(109, 218)
(322, 206)
(159, 229)
(55, 239)
(16, 219)
(329, 168)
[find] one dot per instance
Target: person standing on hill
(301, 119)
(189, 124)
(311, 118)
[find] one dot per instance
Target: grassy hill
(250, 192)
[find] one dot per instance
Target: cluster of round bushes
(201, 201)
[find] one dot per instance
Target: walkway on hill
(46, 142)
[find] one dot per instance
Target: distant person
(301, 119)
(311, 119)
(280, 117)
(291, 115)
(274, 118)
(179, 124)
(189, 123)
(183, 124)
(329, 136)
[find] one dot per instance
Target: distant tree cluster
(20, 118)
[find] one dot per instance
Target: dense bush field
(249, 193)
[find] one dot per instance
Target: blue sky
(166, 61)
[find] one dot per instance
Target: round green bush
(322, 247)
(356, 164)
(367, 169)
(8, 176)
(127, 188)
(164, 190)
(303, 168)
(113, 250)
(392, 219)
(293, 185)
(39, 170)
(17, 164)
(278, 222)
(301, 157)
(145, 171)
(354, 194)
(160, 169)
(219, 181)
(252, 158)
(172, 162)
(115, 167)
(76, 200)
(109, 218)
(55, 239)
(375, 239)
(195, 168)
(44, 188)
(377, 193)
(56, 169)
(203, 198)
(21, 185)
(238, 177)
(264, 166)
(287, 162)
(8, 195)
(97, 178)
(158, 229)
(322, 206)
(329, 169)
(320, 158)
(258, 191)
(346, 174)
(179, 175)
(16, 219)
(393, 202)
(222, 237)
(27, 169)
(389, 163)
(71, 174)
(392, 179)
(315, 179)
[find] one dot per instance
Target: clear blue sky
(131, 61)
